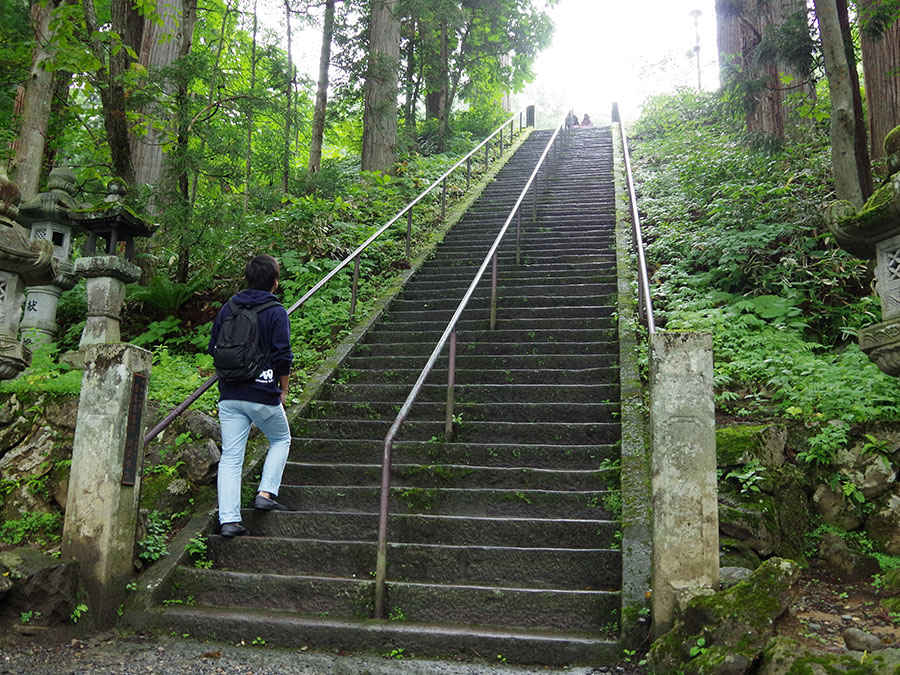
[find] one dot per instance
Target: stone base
(14, 358)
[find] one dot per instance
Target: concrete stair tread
(284, 629)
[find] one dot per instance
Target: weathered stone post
(47, 215)
(22, 263)
(683, 465)
(105, 479)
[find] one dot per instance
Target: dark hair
(262, 272)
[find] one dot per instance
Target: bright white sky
(604, 50)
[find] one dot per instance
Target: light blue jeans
(235, 418)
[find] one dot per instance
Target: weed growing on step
(397, 614)
(80, 610)
(198, 549)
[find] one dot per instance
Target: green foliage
(41, 528)
(153, 546)
(736, 239)
(45, 375)
(748, 476)
(164, 295)
(176, 376)
(78, 612)
(198, 548)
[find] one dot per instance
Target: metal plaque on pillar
(133, 431)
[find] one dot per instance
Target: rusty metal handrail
(449, 334)
(645, 302)
(355, 256)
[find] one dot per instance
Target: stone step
(465, 377)
(449, 530)
(449, 302)
(493, 502)
(471, 411)
(465, 360)
(282, 629)
(430, 290)
(498, 393)
(548, 609)
(572, 456)
(448, 475)
(464, 430)
(469, 335)
(578, 568)
(484, 348)
(524, 324)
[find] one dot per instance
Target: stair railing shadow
(549, 156)
(498, 134)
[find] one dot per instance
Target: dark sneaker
(234, 530)
(265, 504)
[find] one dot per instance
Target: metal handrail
(355, 256)
(645, 302)
(448, 334)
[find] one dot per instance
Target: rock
(789, 488)
(860, 641)
(62, 412)
(784, 656)
(14, 432)
(729, 576)
(736, 624)
(751, 520)
(835, 509)
(201, 460)
(741, 443)
(28, 457)
(40, 584)
(883, 527)
(846, 564)
(870, 472)
(734, 553)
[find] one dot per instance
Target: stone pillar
(683, 465)
(105, 479)
(106, 278)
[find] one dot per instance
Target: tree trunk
(318, 128)
(286, 158)
(410, 85)
(249, 162)
(852, 178)
(728, 35)
(881, 67)
(25, 170)
(379, 141)
(155, 53)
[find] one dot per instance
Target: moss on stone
(735, 442)
(875, 210)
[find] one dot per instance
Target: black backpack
(237, 355)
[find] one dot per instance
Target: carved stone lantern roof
(34, 262)
(113, 221)
(54, 204)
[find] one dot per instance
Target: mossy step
(598, 320)
(505, 376)
(498, 393)
(537, 289)
(470, 411)
(482, 300)
(481, 502)
(573, 568)
(536, 334)
(447, 475)
(588, 456)
(289, 630)
(467, 360)
(487, 347)
(529, 532)
(464, 431)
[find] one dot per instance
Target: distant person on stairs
(258, 399)
(586, 121)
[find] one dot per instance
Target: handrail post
(534, 198)
(501, 141)
(520, 121)
(468, 172)
(494, 291)
(408, 230)
(353, 293)
(451, 381)
(444, 200)
(383, 508)
(519, 236)
(487, 150)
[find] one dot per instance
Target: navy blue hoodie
(274, 338)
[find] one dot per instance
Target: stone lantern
(116, 225)
(874, 232)
(22, 263)
(47, 215)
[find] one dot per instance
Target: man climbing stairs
(503, 540)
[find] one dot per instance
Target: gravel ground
(111, 654)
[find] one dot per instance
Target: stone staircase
(504, 541)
